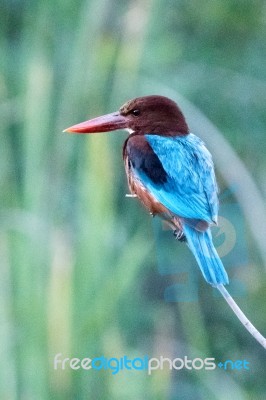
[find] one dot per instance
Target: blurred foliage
(79, 273)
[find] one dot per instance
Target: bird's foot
(179, 235)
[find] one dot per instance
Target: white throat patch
(130, 131)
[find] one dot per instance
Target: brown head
(142, 115)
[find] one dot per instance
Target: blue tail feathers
(201, 245)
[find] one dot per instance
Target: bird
(170, 170)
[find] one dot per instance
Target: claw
(179, 235)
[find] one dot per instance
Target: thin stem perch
(241, 316)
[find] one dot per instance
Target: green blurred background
(82, 267)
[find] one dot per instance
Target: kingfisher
(171, 172)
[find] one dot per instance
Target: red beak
(105, 123)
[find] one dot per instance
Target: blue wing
(190, 190)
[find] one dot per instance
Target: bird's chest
(137, 189)
(138, 156)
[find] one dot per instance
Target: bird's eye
(136, 112)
